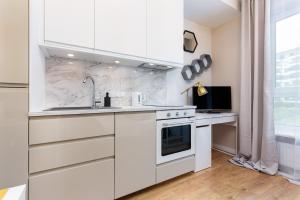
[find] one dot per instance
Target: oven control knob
(177, 114)
(168, 114)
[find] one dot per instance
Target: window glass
(287, 73)
(175, 139)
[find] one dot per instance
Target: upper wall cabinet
(70, 22)
(165, 37)
(120, 26)
(14, 41)
(142, 31)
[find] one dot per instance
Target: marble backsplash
(64, 86)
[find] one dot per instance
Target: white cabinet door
(203, 148)
(134, 152)
(120, 26)
(165, 24)
(13, 136)
(14, 41)
(70, 22)
(88, 181)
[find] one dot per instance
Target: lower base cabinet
(175, 168)
(92, 181)
(203, 148)
(134, 152)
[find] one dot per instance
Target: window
(286, 39)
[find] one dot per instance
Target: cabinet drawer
(203, 122)
(93, 181)
(58, 155)
(175, 168)
(53, 129)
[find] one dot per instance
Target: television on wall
(217, 99)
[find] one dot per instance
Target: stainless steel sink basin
(79, 108)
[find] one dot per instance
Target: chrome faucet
(94, 102)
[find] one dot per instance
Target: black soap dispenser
(107, 100)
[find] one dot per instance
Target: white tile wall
(64, 85)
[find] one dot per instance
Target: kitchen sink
(79, 108)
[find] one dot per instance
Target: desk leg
(237, 136)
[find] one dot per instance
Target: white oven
(175, 135)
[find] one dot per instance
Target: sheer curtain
(257, 139)
(285, 36)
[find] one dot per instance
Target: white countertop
(200, 116)
(108, 110)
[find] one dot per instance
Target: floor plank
(223, 181)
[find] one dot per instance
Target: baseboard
(224, 149)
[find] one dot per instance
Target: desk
(204, 122)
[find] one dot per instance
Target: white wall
(226, 71)
(36, 56)
(175, 82)
(223, 43)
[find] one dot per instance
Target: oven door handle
(177, 124)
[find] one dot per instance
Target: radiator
(289, 154)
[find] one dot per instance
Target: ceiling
(211, 13)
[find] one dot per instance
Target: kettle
(137, 99)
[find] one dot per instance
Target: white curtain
(285, 26)
(257, 139)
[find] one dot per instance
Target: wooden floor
(223, 181)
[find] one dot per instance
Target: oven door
(175, 139)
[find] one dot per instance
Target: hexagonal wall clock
(187, 73)
(190, 41)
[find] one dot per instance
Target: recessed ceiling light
(70, 55)
(117, 62)
(151, 64)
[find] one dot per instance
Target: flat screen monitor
(217, 99)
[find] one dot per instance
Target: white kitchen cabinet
(120, 26)
(135, 166)
(13, 136)
(90, 181)
(52, 156)
(142, 31)
(165, 30)
(174, 168)
(44, 130)
(71, 157)
(14, 41)
(70, 22)
(203, 147)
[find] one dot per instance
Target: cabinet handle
(202, 126)
(177, 124)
